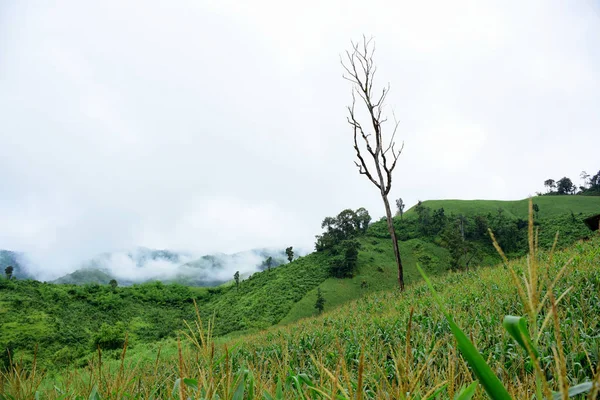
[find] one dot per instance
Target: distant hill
(83, 276)
(154, 310)
(549, 206)
(145, 265)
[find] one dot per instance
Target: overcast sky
(220, 125)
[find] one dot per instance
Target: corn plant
(529, 286)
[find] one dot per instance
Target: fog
(220, 126)
(142, 265)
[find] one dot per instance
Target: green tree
(290, 253)
(536, 210)
(369, 141)
(236, 277)
(113, 283)
(461, 251)
(269, 262)
(565, 186)
(109, 337)
(438, 221)
(344, 262)
(424, 219)
(591, 185)
(346, 225)
(8, 271)
(362, 220)
(320, 303)
(400, 207)
(550, 184)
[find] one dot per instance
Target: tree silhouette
(381, 154)
(290, 253)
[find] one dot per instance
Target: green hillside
(69, 322)
(376, 271)
(549, 206)
(83, 276)
(381, 345)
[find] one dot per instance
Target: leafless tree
(369, 142)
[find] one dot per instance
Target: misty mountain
(144, 265)
(83, 276)
(14, 259)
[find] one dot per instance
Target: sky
(220, 126)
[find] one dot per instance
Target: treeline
(340, 242)
(565, 186)
(68, 322)
(467, 237)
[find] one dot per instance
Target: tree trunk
(390, 223)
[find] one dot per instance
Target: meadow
(384, 345)
(264, 339)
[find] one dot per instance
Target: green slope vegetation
(83, 276)
(371, 335)
(549, 206)
(69, 321)
(376, 271)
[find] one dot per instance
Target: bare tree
(369, 141)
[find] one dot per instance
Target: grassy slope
(550, 206)
(376, 325)
(282, 295)
(377, 268)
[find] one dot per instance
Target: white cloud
(220, 125)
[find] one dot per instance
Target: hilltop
(549, 206)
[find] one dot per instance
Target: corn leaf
(484, 373)
(517, 328)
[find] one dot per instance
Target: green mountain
(549, 206)
(84, 276)
(60, 316)
(146, 265)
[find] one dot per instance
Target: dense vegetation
(565, 186)
(66, 324)
(384, 345)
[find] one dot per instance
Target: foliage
(400, 207)
(345, 258)
(236, 278)
(109, 337)
(320, 303)
(346, 225)
(385, 345)
(63, 319)
(565, 186)
(530, 286)
(289, 251)
(8, 271)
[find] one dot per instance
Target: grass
(549, 206)
(384, 345)
(377, 271)
(63, 319)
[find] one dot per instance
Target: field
(264, 338)
(380, 346)
(549, 206)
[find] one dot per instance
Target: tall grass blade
(484, 373)
(517, 328)
(466, 393)
(576, 390)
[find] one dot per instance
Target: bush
(109, 337)
(344, 262)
